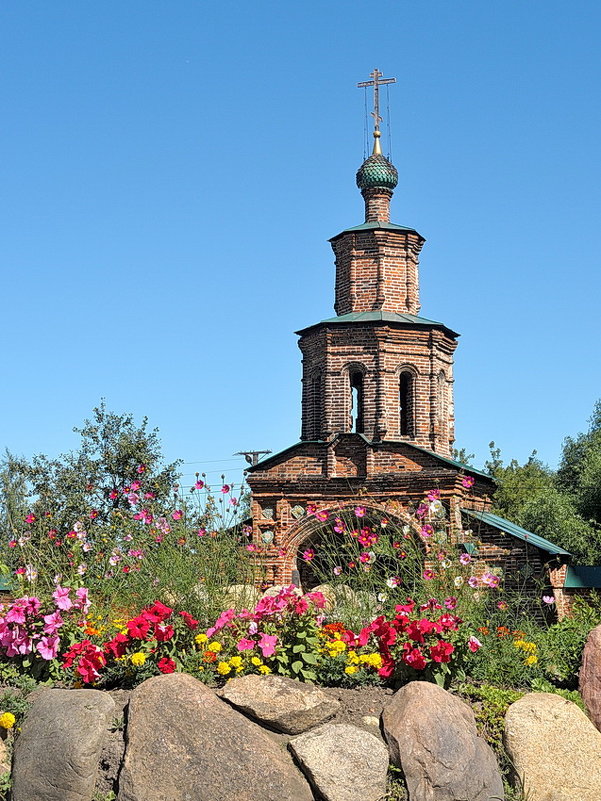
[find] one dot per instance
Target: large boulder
(184, 744)
(590, 676)
(283, 704)
(342, 762)
(432, 737)
(555, 749)
(241, 596)
(57, 753)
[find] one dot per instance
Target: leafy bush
(564, 641)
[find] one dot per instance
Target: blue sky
(171, 173)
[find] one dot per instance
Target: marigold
(138, 659)
(209, 656)
(264, 669)
(236, 661)
(223, 668)
(256, 661)
(215, 646)
(200, 639)
(531, 660)
(350, 669)
(7, 720)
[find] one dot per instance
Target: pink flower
(473, 581)
(322, 515)
(141, 468)
(252, 546)
(199, 485)
(177, 514)
(149, 495)
(308, 554)
(225, 489)
(201, 532)
(233, 501)
(450, 602)
(113, 495)
(82, 602)
(434, 495)
(134, 486)
(428, 575)
(468, 482)
(465, 558)
(360, 511)
(133, 498)
(548, 599)
(31, 518)
(427, 530)
(48, 647)
(337, 570)
(12, 544)
(245, 644)
(474, 644)
(267, 644)
(53, 622)
(61, 598)
(501, 604)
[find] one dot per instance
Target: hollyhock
(61, 598)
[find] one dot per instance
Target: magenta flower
(360, 511)
(468, 482)
(48, 647)
(434, 495)
(225, 489)
(61, 598)
(337, 570)
(428, 575)
(308, 554)
(113, 495)
(201, 532)
(450, 602)
(141, 468)
(322, 515)
(177, 514)
(427, 530)
(267, 644)
(473, 581)
(465, 558)
(52, 622)
(133, 498)
(199, 485)
(245, 644)
(30, 518)
(474, 644)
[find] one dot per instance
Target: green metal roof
(5, 583)
(580, 576)
(383, 317)
(516, 531)
(377, 172)
(373, 226)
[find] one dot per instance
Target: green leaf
(301, 635)
(310, 658)
(297, 648)
(297, 666)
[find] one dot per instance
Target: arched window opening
(406, 404)
(440, 399)
(316, 405)
(356, 379)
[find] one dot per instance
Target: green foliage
(563, 642)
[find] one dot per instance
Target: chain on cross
(376, 81)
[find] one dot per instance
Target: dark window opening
(406, 404)
(357, 402)
(316, 405)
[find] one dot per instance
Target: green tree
(113, 452)
(579, 473)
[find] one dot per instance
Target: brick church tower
(377, 399)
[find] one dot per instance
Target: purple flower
(465, 558)
(548, 599)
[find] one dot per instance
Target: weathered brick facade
(377, 407)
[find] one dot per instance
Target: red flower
(139, 627)
(157, 612)
(163, 632)
(117, 646)
(166, 665)
(189, 620)
(441, 652)
(415, 659)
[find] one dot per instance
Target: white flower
(458, 581)
(78, 527)
(393, 581)
(82, 569)
(446, 563)
(31, 573)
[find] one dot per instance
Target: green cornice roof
(373, 226)
(579, 576)
(381, 317)
(514, 530)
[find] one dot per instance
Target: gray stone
(4, 758)
(342, 762)
(56, 755)
(590, 676)
(284, 704)
(555, 749)
(432, 737)
(184, 744)
(241, 596)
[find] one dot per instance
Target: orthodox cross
(376, 81)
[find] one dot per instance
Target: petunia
(267, 644)
(61, 598)
(245, 644)
(47, 647)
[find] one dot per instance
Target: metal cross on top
(376, 81)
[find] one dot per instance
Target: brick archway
(306, 532)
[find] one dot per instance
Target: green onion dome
(377, 172)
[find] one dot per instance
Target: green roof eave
(517, 531)
(407, 320)
(377, 226)
(583, 576)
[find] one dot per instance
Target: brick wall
(381, 352)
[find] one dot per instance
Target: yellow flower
(236, 661)
(531, 660)
(350, 669)
(200, 639)
(352, 658)
(7, 720)
(264, 669)
(256, 661)
(138, 659)
(223, 668)
(215, 646)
